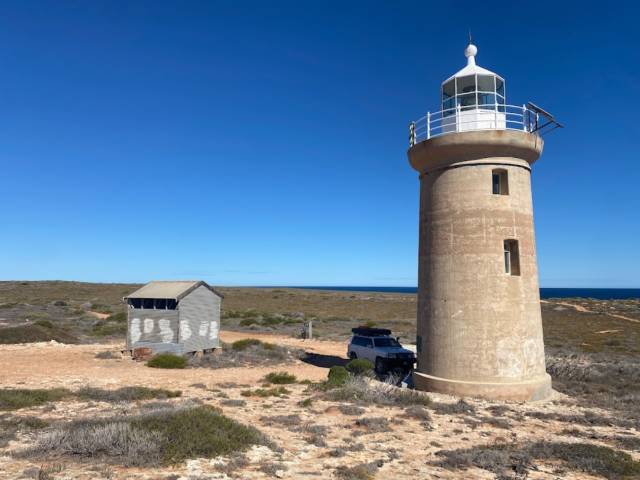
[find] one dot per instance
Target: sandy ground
(52, 364)
(405, 452)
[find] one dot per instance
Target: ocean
(598, 293)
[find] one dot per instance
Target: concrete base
(531, 390)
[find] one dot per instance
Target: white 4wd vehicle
(378, 346)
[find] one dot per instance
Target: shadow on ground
(323, 361)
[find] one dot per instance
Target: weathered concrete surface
(479, 328)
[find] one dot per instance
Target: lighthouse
(479, 325)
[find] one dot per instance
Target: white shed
(177, 317)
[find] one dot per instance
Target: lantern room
(473, 98)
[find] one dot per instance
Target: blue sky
(265, 143)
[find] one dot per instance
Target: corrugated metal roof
(169, 289)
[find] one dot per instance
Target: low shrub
(374, 424)
(265, 392)
(14, 399)
(453, 408)
(337, 376)
(306, 403)
(245, 343)
(165, 438)
(108, 355)
(351, 409)
(104, 328)
(202, 432)
(246, 322)
(282, 420)
(120, 317)
(126, 394)
(418, 412)
(364, 471)
(233, 403)
(359, 366)
(360, 389)
(280, 378)
(167, 360)
(44, 323)
(248, 352)
(507, 459)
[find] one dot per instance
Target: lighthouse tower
(479, 322)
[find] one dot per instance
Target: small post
(428, 125)
(310, 330)
(524, 113)
(458, 118)
(412, 134)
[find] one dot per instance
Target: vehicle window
(357, 341)
(386, 342)
(369, 343)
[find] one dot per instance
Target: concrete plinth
(479, 327)
(528, 391)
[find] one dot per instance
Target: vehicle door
(368, 350)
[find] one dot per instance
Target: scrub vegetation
(248, 352)
(167, 360)
(163, 437)
(346, 422)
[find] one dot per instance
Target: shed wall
(151, 326)
(199, 320)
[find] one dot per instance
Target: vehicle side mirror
(398, 339)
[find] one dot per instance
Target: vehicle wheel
(379, 366)
(352, 355)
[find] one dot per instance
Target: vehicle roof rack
(371, 332)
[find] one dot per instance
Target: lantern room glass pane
(448, 107)
(467, 100)
(499, 86)
(486, 100)
(449, 89)
(486, 83)
(466, 84)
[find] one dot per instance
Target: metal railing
(472, 118)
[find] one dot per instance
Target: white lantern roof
(471, 68)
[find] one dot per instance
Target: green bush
(359, 366)
(44, 323)
(120, 317)
(200, 432)
(265, 392)
(246, 322)
(104, 329)
(14, 399)
(337, 376)
(126, 394)
(167, 360)
(280, 378)
(245, 343)
(166, 437)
